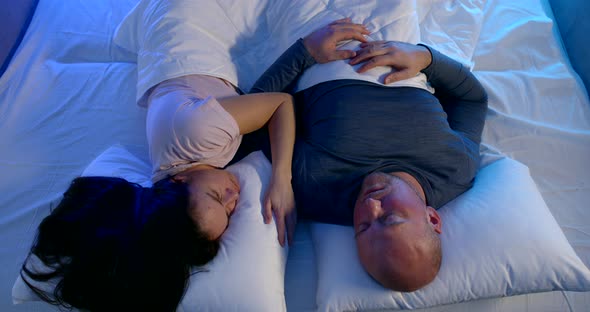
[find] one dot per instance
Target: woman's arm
(252, 112)
(320, 46)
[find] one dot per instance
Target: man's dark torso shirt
(347, 129)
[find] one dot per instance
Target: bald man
(383, 158)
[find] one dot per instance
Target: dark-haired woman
(112, 245)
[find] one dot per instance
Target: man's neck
(408, 178)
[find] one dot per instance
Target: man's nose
(372, 206)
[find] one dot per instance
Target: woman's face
(214, 195)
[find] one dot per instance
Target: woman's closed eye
(218, 197)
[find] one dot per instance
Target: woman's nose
(231, 198)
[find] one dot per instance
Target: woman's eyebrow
(214, 197)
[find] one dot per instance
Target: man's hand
(280, 201)
(407, 60)
(322, 43)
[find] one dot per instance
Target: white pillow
(238, 40)
(248, 272)
(181, 37)
(499, 239)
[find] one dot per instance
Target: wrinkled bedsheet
(69, 94)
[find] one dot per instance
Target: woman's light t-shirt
(186, 125)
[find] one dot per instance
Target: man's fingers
(354, 34)
(381, 60)
(366, 54)
(342, 20)
(369, 50)
(357, 27)
(344, 34)
(342, 55)
(347, 29)
(397, 76)
(280, 221)
(267, 211)
(373, 43)
(346, 23)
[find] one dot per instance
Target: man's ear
(434, 219)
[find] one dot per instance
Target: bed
(68, 93)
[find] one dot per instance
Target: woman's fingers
(267, 211)
(280, 222)
(291, 225)
(284, 222)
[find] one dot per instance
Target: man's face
(390, 222)
(386, 205)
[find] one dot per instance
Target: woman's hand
(406, 59)
(322, 43)
(280, 201)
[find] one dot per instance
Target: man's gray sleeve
(462, 96)
(283, 73)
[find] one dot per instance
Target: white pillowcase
(238, 40)
(181, 37)
(248, 272)
(499, 239)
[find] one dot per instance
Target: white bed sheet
(69, 94)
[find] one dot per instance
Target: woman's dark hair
(114, 245)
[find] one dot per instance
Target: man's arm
(320, 46)
(285, 70)
(463, 98)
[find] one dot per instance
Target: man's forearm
(285, 70)
(453, 79)
(462, 96)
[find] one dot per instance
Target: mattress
(69, 93)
